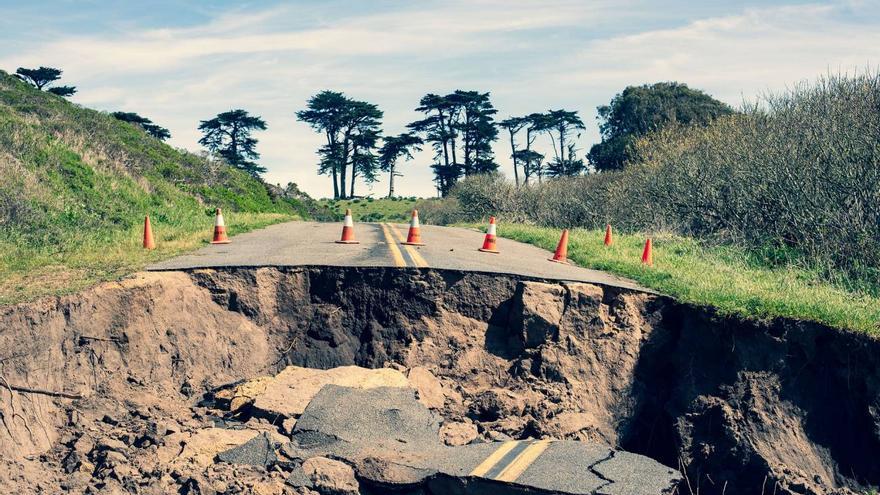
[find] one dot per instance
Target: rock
(457, 434)
(72, 462)
(331, 477)
(258, 451)
(201, 447)
(288, 425)
(566, 424)
(243, 394)
(428, 386)
(84, 444)
(298, 478)
(288, 394)
(539, 311)
(497, 403)
(108, 443)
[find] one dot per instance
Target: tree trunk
(343, 168)
(391, 181)
(513, 157)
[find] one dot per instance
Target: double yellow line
(414, 255)
(510, 460)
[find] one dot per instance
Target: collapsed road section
(241, 380)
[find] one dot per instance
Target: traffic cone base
(489, 243)
(414, 236)
(347, 230)
(561, 254)
(220, 236)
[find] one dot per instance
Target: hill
(76, 183)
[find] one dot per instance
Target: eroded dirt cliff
(133, 367)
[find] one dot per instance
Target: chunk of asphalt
(258, 451)
(383, 417)
(633, 474)
(298, 479)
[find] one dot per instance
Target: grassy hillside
(75, 185)
(373, 210)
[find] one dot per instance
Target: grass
(720, 276)
(373, 210)
(86, 259)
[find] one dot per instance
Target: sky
(181, 62)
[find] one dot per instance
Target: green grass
(720, 276)
(75, 185)
(373, 210)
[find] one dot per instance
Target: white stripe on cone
(348, 221)
(218, 222)
(415, 221)
(491, 229)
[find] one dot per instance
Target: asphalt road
(313, 244)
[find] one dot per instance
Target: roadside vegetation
(75, 185)
(783, 196)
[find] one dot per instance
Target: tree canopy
(146, 124)
(352, 129)
(559, 125)
(642, 109)
(43, 77)
(229, 135)
(460, 121)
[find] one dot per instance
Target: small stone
(330, 476)
(108, 443)
(458, 434)
(288, 425)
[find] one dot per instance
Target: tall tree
(352, 129)
(393, 149)
(229, 135)
(461, 117)
(43, 77)
(639, 110)
(559, 125)
(146, 124)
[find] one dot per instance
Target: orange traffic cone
(489, 243)
(561, 249)
(220, 230)
(648, 253)
(414, 237)
(608, 238)
(148, 234)
(347, 230)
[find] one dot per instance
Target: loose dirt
(137, 386)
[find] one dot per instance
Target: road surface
(313, 244)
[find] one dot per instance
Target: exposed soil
(106, 390)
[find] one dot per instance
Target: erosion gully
(739, 406)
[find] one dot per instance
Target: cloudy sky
(181, 62)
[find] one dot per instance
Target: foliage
(639, 110)
(352, 130)
(395, 209)
(43, 77)
(465, 117)
(229, 135)
(75, 185)
(146, 124)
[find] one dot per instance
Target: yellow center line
(392, 246)
(493, 459)
(523, 461)
(413, 253)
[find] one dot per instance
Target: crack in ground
(591, 468)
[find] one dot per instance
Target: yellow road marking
(392, 246)
(493, 459)
(413, 253)
(523, 461)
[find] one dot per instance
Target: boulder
(331, 477)
(539, 311)
(288, 393)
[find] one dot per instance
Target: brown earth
(129, 387)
